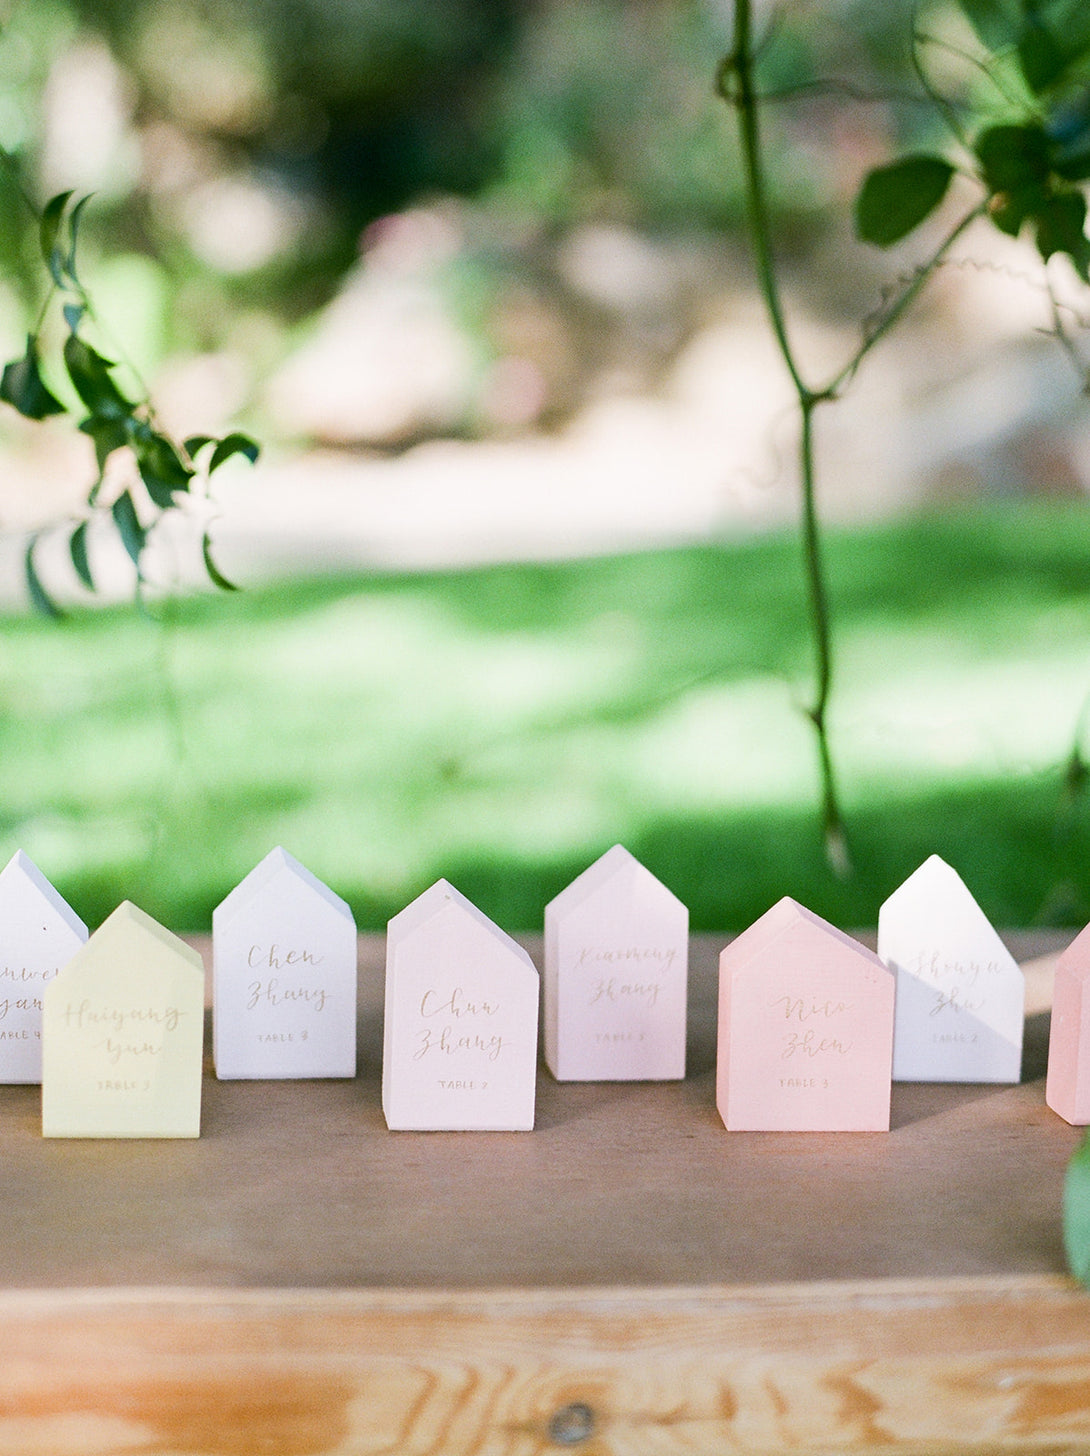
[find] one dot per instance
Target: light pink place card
(123, 1035)
(460, 1044)
(960, 992)
(805, 1028)
(39, 933)
(283, 976)
(1067, 1086)
(615, 975)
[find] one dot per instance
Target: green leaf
(132, 533)
(998, 23)
(74, 217)
(1013, 158)
(49, 233)
(895, 199)
(77, 549)
(194, 444)
(215, 576)
(21, 386)
(162, 469)
(90, 374)
(236, 444)
(109, 434)
(40, 599)
(1061, 224)
(1041, 58)
(1076, 1212)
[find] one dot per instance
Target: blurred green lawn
(504, 726)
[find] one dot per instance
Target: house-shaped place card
(283, 976)
(960, 992)
(460, 1043)
(615, 975)
(39, 933)
(123, 1035)
(1067, 1086)
(805, 1028)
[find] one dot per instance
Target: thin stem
(737, 83)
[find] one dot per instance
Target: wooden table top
(300, 1185)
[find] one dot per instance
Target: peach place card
(123, 1035)
(805, 1028)
(283, 976)
(960, 992)
(39, 933)
(460, 1042)
(1067, 1085)
(615, 975)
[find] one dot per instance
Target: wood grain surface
(628, 1279)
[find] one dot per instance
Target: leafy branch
(142, 471)
(1028, 169)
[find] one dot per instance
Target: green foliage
(1076, 1212)
(1029, 166)
(118, 422)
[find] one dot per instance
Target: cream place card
(123, 1035)
(39, 933)
(960, 992)
(460, 1045)
(1067, 1085)
(615, 975)
(283, 976)
(805, 1028)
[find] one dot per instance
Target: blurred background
(520, 567)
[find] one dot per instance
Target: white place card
(283, 976)
(615, 975)
(460, 1037)
(123, 1035)
(1067, 1085)
(960, 992)
(39, 933)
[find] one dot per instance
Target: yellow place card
(123, 1035)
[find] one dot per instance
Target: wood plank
(918, 1369)
(299, 1184)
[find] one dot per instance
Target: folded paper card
(283, 976)
(615, 975)
(805, 1028)
(123, 1035)
(460, 1044)
(39, 933)
(960, 992)
(1067, 1086)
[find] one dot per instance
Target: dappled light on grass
(503, 726)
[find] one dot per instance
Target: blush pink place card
(123, 1035)
(1067, 1086)
(283, 976)
(39, 933)
(805, 1028)
(460, 1044)
(615, 975)
(960, 992)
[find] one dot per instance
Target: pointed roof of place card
(617, 864)
(129, 916)
(277, 862)
(443, 896)
(787, 915)
(1075, 960)
(939, 888)
(22, 867)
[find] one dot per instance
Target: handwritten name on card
(960, 993)
(39, 933)
(615, 975)
(460, 1032)
(284, 976)
(805, 1028)
(123, 1035)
